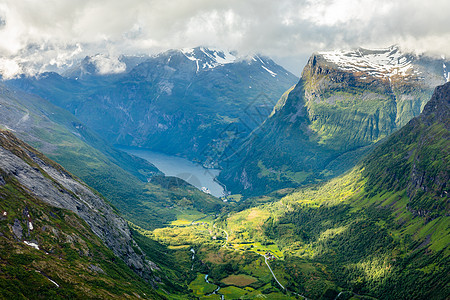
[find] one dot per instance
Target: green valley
(370, 233)
(136, 187)
(225, 150)
(339, 191)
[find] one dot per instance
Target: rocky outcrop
(438, 108)
(49, 182)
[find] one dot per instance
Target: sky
(38, 35)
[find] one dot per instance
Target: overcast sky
(54, 32)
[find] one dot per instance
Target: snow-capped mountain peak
(381, 63)
(208, 58)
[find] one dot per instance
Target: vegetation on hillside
(381, 230)
(47, 252)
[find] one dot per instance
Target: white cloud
(9, 68)
(108, 65)
(50, 33)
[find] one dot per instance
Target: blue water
(193, 173)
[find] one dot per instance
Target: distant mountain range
(190, 102)
(344, 103)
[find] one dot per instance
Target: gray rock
(17, 229)
(96, 269)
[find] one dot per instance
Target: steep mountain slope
(54, 230)
(120, 177)
(344, 102)
(380, 230)
(191, 102)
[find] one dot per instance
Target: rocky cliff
(49, 182)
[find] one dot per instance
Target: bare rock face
(17, 229)
(438, 108)
(52, 184)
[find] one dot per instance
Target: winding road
(226, 233)
(274, 277)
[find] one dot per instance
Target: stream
(216, 290)
(193, 257)
(206, 278)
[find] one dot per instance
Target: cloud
(38, 35)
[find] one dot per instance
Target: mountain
(344, 103)
(191, 102)
(380, 230)
(60, 239)
(134, 186)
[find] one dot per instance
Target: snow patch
(52, 281)
(270, 72)
(30, 226)
(380, 63)
(23, 119)
(208, 58)
(31, 244)
(7, 128)
(446, 73)
(189, 53)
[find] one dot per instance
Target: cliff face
(359, 97)
(416, 159)
(344, 102)
(49, 182)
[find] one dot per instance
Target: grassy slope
(382, 229)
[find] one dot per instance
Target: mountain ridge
(174, 93)
(332, 114)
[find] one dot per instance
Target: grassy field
(186, 216)
(200, 287)
(260, 249)
(240, 280)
